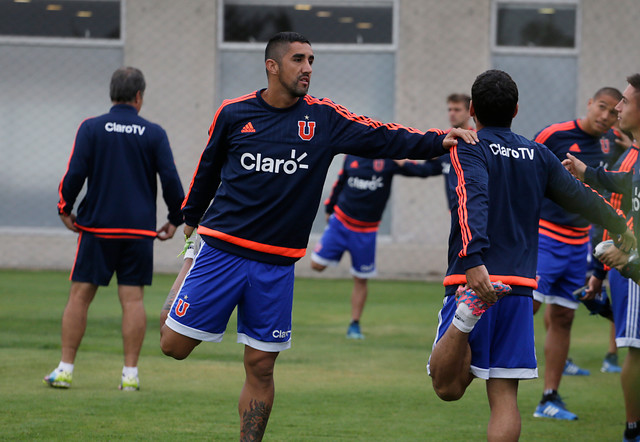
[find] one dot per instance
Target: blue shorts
(337, 239)
(625, 302)
(562, 269)
(502, 341)
(98, 258)
(217, 283)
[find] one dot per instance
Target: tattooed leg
(256, 398)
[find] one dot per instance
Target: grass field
(327, 388)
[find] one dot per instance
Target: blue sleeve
(172, 191)
(364, 137)
(206, 178)
(574, 196)
(471, 168)
(428, 168)
(613, 181)
(77, 170)
(330, 202)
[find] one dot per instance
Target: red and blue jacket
(501, 185)
(119, 154)
(360, 194)
(560, 138)
(265, 167)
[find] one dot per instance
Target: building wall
(441, 48)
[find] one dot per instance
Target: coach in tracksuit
(501, 184)
(264, 167)
(120, 155)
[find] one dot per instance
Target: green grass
(327, 388)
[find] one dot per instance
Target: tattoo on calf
(254, 421)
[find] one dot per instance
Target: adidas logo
(248, 128)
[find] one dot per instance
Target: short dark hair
(610, 91)
(274, 49)
(634, 81)
(459, 98)
(125, 84)
(494, 95)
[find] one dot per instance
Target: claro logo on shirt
(260, 163)
(124, 128)
(358, 183)
(519, 152)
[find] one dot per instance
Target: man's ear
(515, 112)
(272, 66)
(472, 110)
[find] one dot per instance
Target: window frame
(344, 47)
(498, 49)
(24, 40)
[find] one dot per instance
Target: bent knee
(448, 393)
(175, 345)
(317, 267)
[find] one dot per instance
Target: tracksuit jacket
(560, 138)
(266, 168)
(501, 185)
(119, 154)
(360, 194)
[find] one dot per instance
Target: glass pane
(60, 18)
(546, 26)
(320, 24)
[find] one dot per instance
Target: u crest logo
(181, 308)
(306, 129)
(378, 165)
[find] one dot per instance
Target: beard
(295, 89)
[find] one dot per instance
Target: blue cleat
(554, 409)
(571, 369)
(610, 364)
(354, 331)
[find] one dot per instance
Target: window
(536, 25)
(248, 22)
(61, 18)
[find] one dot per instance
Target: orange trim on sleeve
(461, 191)
(252, 245)
(62, 202)
(343, 111)
(505, 279)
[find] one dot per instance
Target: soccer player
(458, 112)
(264, 167)
(564, 247)
(626, 305)
(501, 183)
(119, 154)
(354, 211)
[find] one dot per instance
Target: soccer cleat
(610, 364)
(129, 383)
(554, 409)
(353, 332)
(477, 305)
(58, 379)
(571, 369)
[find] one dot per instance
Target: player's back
(500, 183)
